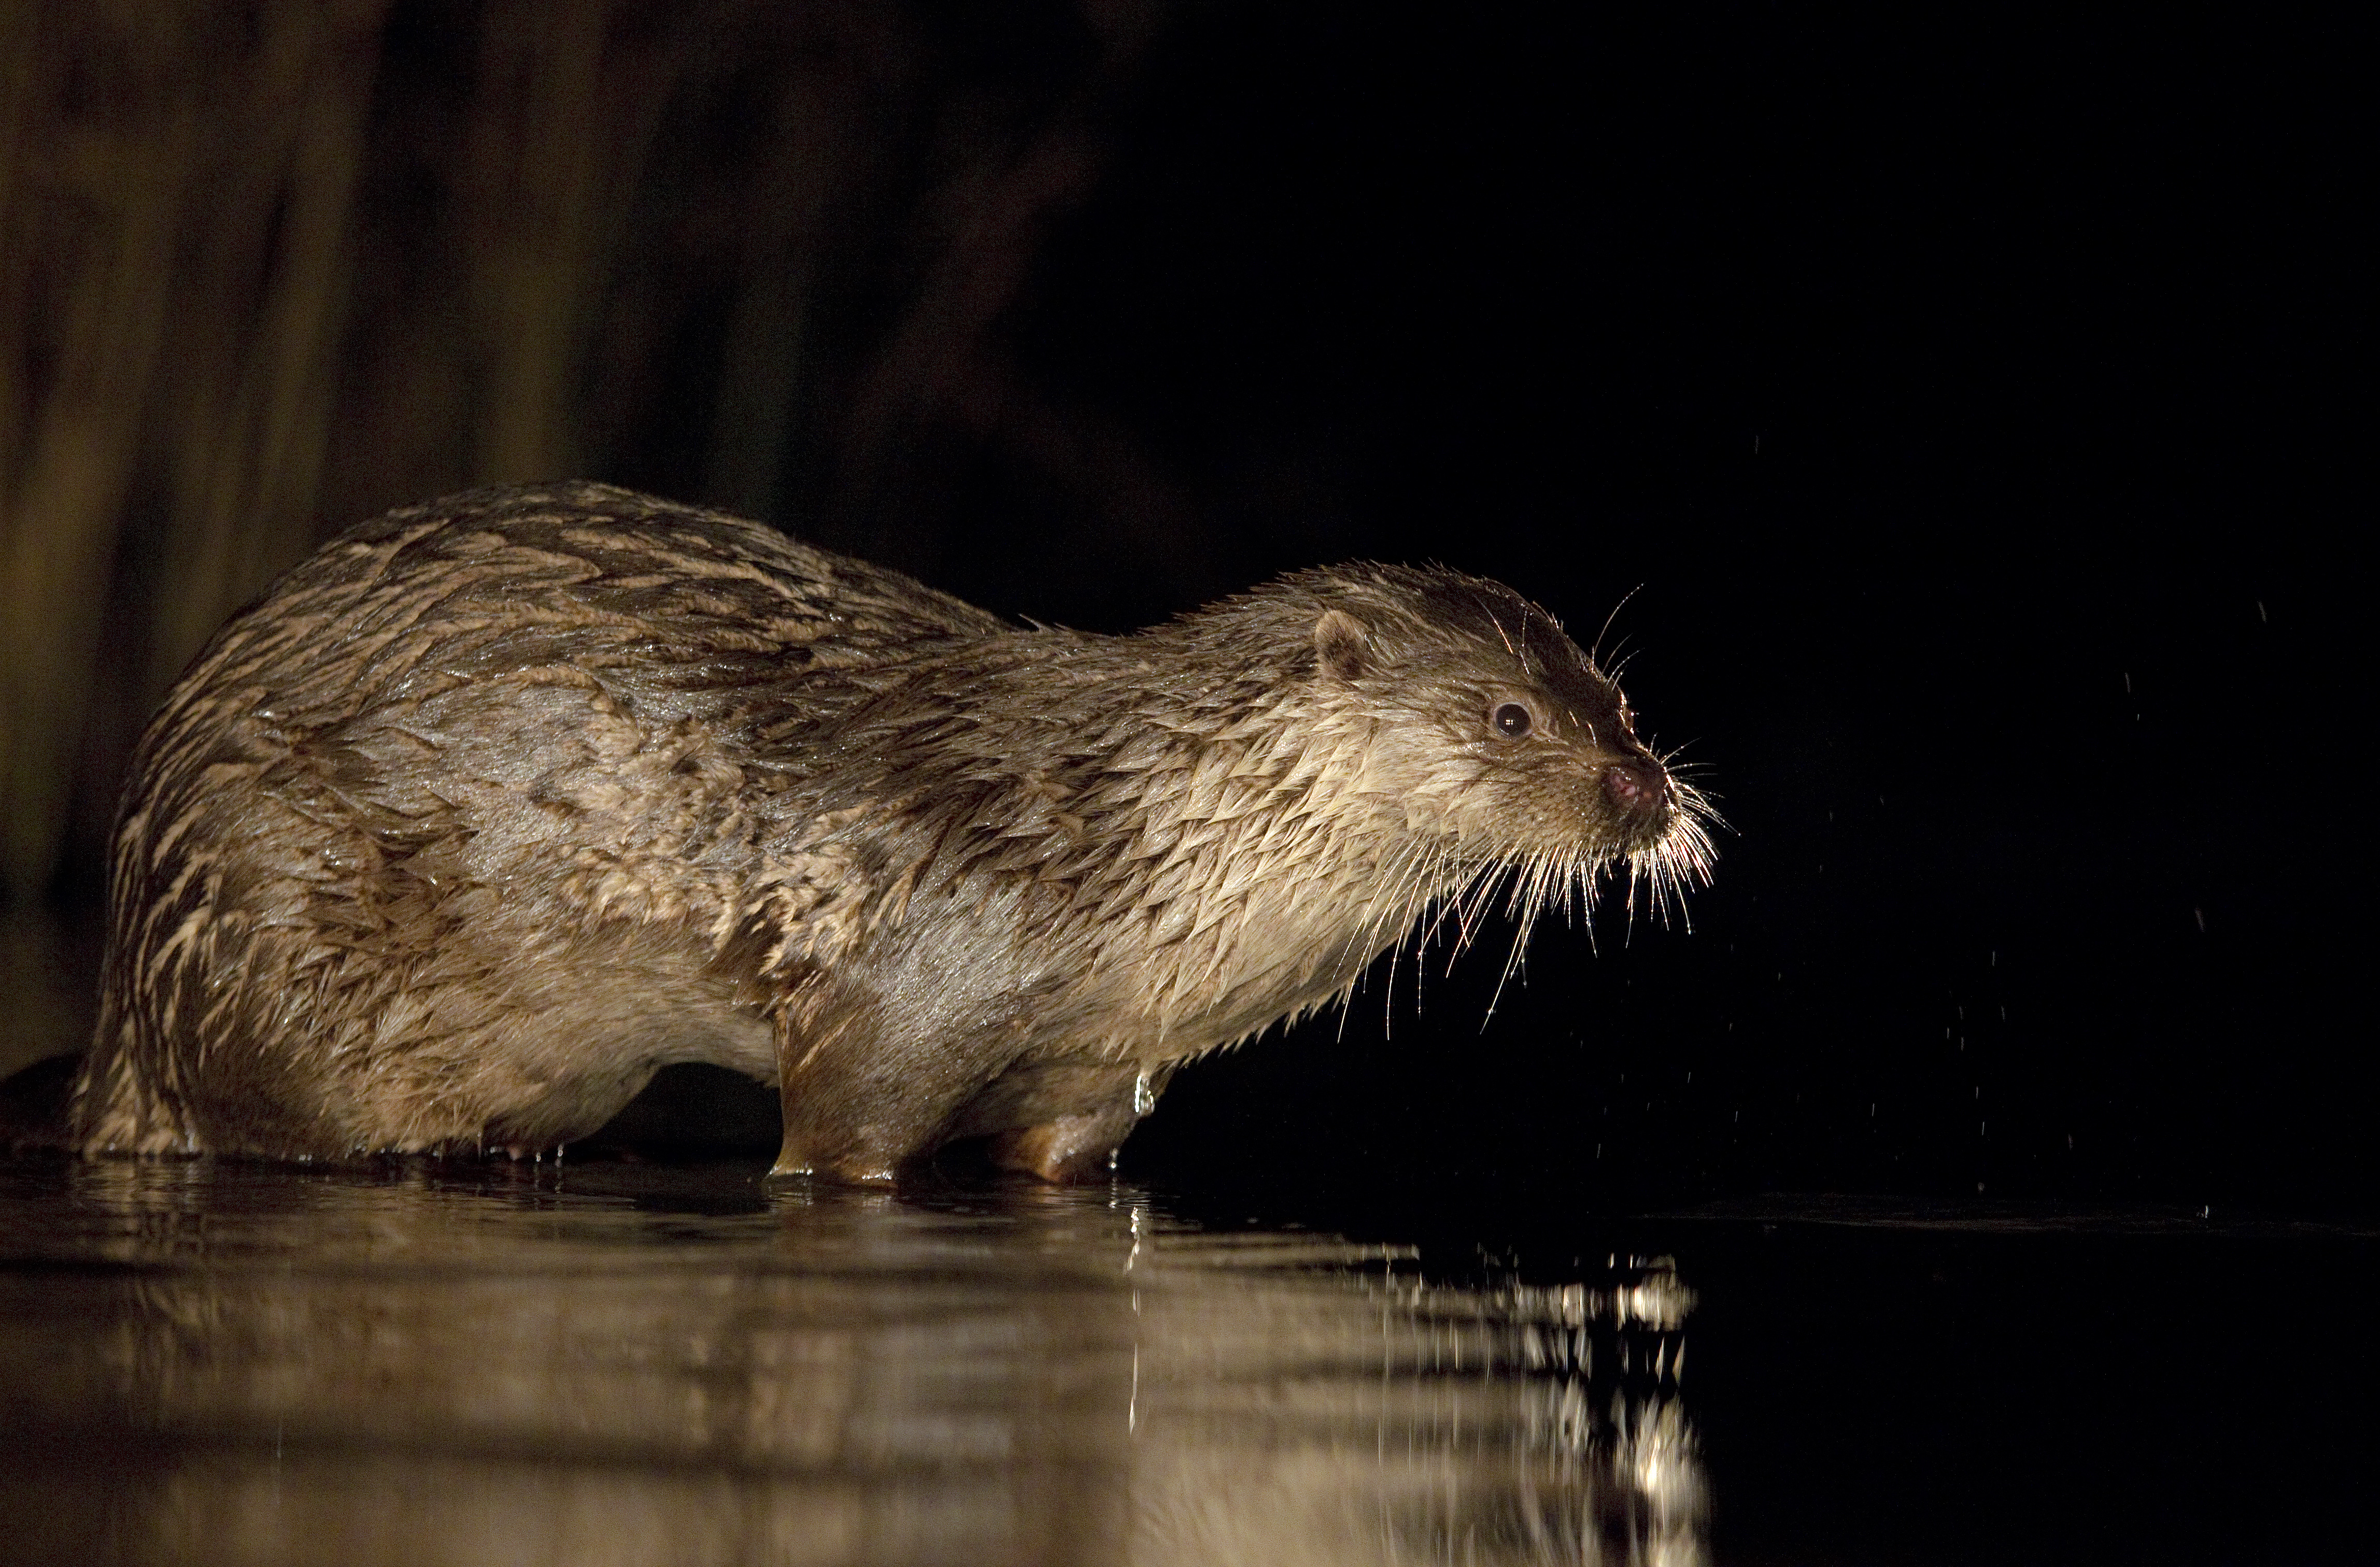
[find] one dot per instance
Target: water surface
(487, 1363)
(615, 1362)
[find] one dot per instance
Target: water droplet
(1143, 1098)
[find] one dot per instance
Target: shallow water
(635, 1363)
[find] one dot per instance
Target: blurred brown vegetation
(267, 269)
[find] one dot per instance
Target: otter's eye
(1510, 719)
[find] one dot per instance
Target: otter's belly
(289, 1027)
(533, 1045)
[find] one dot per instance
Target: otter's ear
(1339, 645)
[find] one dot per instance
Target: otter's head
(1498, 737)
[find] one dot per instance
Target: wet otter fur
(496, 805)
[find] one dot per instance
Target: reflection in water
(200, 1362)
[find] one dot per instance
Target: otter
(496, 805)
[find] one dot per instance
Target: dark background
(1966, 409)
(1967, 405)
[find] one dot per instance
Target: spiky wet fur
(496, 805)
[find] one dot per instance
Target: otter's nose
(1636, 787)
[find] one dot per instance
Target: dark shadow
(692, 1111)
(33, 1104)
